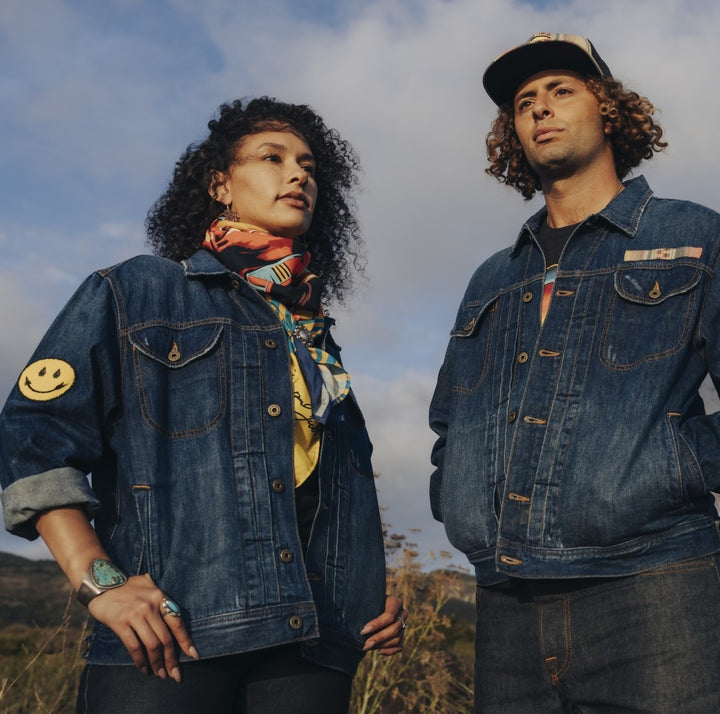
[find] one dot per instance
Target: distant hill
(35, 592)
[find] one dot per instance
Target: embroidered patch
(686, 251)
(46, 379)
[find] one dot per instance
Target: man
(574, 459)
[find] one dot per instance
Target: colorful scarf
(277, 268)
(274, 266)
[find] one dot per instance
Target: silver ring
(403, 620)
(169, 607)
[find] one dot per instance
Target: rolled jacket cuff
(27, 497)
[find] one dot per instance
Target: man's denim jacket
(581, 447)
(182, 410)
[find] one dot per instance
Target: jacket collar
(203, 264)
(623, 212)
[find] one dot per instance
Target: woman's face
(272, 183)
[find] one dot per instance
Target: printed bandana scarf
(277, 267)
(274, 266)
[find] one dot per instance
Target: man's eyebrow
(528, 93)
(532, 92)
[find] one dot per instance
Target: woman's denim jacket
(182, 409)
(580, 448)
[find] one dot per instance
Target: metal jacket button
(286, 556)
(270, 343)
(527, 297)
(174, 354)
(522, 357)
(295, 622)
(278, 486)
(274, 410)
(512, 416)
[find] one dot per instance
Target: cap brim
(509, 71)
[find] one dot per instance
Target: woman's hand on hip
(386, 632)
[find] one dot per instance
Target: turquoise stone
(172, 606)
(106, 575)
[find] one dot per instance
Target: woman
(236, 557)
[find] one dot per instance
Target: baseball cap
(544, 50)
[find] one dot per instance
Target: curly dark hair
(634, 136)
(177, 222)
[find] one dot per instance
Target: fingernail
(175, 674)
(162, 673)
(370, 644)
(365, 630)
(194, 653)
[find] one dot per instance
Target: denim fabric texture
(581, 447)
(182, 411)
(274, 681)
(644, 643)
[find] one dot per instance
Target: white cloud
(21, 327)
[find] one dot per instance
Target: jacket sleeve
(702, 431)
(439, 407)
(55, 424)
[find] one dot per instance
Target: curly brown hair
(634, 136)
(177, 222)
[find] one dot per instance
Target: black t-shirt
(307, 498)
(553, 240)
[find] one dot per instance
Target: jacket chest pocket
(650, 314)
(180, 376)
(472, 339)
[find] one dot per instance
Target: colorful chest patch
(46, 379)
(685, 251)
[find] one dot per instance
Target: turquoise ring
(169, 607)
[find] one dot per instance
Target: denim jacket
(181, 407)
(581, 447)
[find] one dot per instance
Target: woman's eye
(310, 168)
(275, 158)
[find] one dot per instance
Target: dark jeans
(275, 681)
(645, 643)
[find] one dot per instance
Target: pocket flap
(470, 316)
(176, 346)
(654, 284)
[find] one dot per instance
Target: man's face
(558, 123)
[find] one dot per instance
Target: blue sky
(100, 99)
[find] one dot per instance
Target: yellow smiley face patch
(46, 379)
